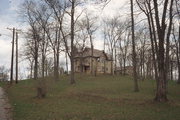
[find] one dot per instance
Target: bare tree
(28, 11)
(90, 26)
(112, 32)
(161, 94)
(81, 42)
(69, 7)
(163, 30)
(43, 15)
(58, 10)
(123, 44)
(143, 48)
(176, 37)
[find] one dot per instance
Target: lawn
(93, 98)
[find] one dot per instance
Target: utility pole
(12, 57)
(16, 57)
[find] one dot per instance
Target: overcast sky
(9, 18)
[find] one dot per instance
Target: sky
(9, 18)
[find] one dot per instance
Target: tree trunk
(41, 93)
(115, 62)
(112, 57)
(171, 73)
(58, 51)
(55, 65)
(41, 88)
(92, 64)
(153, 49)
(124, 65)
(46, 67)
(81, 62)
(161, 92)
(31, 71)
(67, 63)
(93, 68)
(178, 56)
(72, 41)
(36, 61)
(43, 60)
(136, 88)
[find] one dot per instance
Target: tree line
(147, 38)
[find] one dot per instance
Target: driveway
(4, 106)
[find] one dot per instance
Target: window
(98, 59)
(103, 68)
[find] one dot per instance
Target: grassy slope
(94, 98)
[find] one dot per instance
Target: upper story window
(98, 59)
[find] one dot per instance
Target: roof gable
(96, 53)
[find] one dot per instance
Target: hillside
(93, 98)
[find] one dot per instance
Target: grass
(93, 98)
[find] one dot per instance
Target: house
(93, 62)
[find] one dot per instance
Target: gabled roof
(96, 53)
